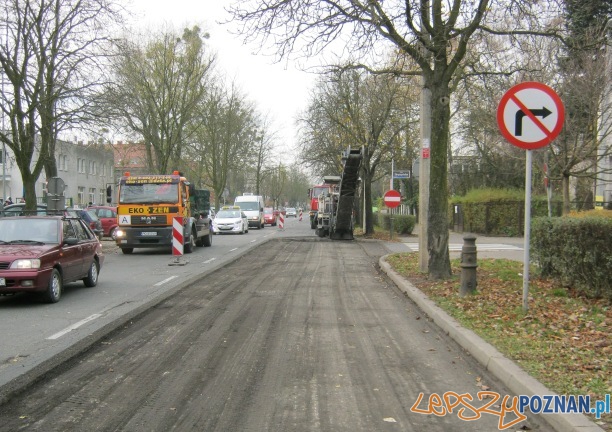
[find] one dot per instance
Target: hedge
(578, 251)
(402, 224)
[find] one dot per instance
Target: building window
(92, 195)
(81, 197)
(62, 161)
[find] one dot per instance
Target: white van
(252, 206)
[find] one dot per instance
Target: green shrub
(402, 224)
(578, 251)
(496, 211)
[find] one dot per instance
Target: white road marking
(209, 261)
(74, 326)
(165, 280)
(232, 250)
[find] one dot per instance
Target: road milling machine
(335, 208)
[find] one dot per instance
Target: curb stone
(512, 376)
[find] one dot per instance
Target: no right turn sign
(530, 115)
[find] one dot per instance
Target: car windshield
(228, 214)
(29, 229)
(248, 205)
(268, 210)
(92, 215)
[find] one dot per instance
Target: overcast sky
(279, 90)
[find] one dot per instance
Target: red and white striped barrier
(281, 221)
(300, 219)
(177, 236)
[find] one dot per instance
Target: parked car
(230, 220)
(17, 210)
(290, 211)
(269, 216)
(39, 254)
(108, 218)
(90, 217)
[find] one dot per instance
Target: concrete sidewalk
(510, 374)
(487, 247)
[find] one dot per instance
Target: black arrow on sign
(518, 122)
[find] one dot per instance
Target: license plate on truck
(148, 233)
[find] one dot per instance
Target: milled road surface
(297, 335)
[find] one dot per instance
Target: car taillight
(92, 225)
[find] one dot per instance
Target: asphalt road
(297, 334)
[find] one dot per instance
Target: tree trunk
(367, 189)
(567, 204)
(437, 232)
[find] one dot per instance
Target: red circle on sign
(510, 104)
(392, 198)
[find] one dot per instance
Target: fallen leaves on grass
(564, 340)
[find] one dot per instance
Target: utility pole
(424, 170)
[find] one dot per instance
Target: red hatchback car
(108, 217)
(39, 254)
(269, 216)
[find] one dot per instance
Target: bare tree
(159, 87)
(361, 110)
(435, 34)
(223, 134)
(578, 151)
(51, 54)
(261, 149)
(275, 182)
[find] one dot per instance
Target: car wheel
(190, 243)
(91, 280)
(54, 289)
(208, 240)
(127, 251)
(113, 233)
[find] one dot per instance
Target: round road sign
(530, 115)
(392, 198)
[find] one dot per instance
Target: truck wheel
(208, 240)
(127, 251)
(190, 243)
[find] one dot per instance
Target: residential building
(86, 169)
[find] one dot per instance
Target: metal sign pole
(527, 231)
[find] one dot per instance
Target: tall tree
(159, 87)
(262, 147)
(51, 54)
(586, 93)
(356, 109)
(435, 34)
(222, 137)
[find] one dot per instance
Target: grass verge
(564, 340)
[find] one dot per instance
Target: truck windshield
(149, 193)
(316, 191)
(248, 205)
